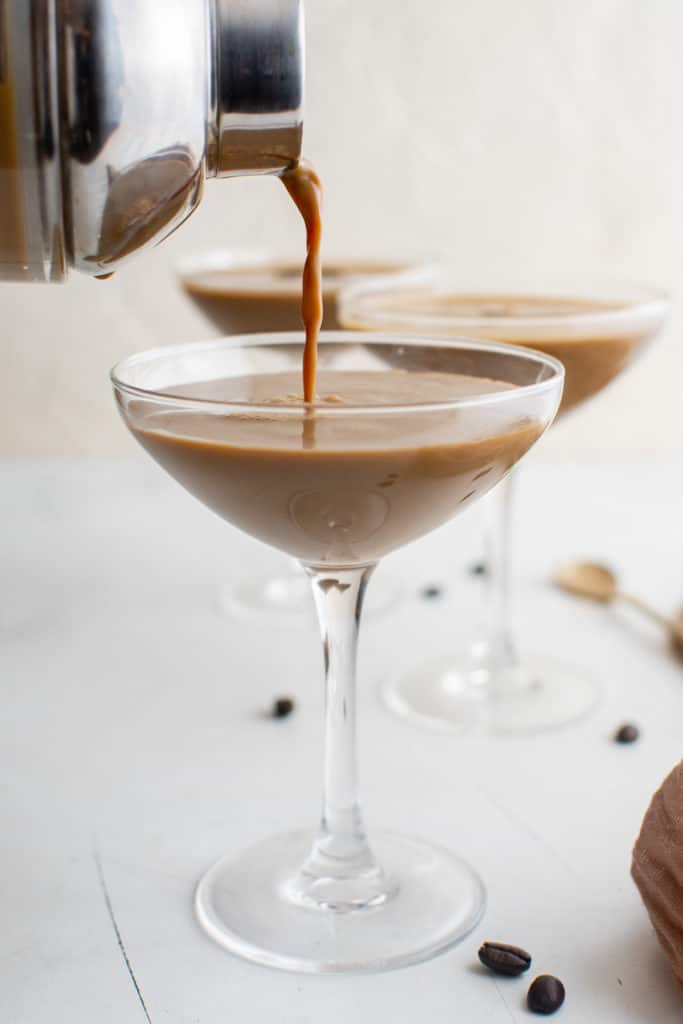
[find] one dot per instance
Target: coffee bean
(545, 995)
(627, 733)
(282, 707)
(478, 569)
(504, 959)
(431, 592)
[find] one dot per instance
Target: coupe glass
(596, 329)
(249, 293)
(338, 486)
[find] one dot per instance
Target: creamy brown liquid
(367, 483)
(303, 184)
(277, 297)
(591, 361)
(256, 299)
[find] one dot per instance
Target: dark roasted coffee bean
(431, 592)
(282, 707)
(627, 733)
(478, 569)
(504, 959)
(545, 995)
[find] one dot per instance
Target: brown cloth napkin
(657, 866)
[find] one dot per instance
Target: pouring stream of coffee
(304, 186)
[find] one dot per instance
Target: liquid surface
(496, 306)
(592, 359)
(256, 299)
(365, 484)
(279, 279)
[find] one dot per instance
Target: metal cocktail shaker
(113, 113)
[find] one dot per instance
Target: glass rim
(288, 338)
(236, 261)
(641, 303)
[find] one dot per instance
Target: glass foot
(286, 594)
(290, 594)
(538, 695)
(250, 906)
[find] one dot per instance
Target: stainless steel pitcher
(113, 113)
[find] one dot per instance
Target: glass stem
(341, 872)
(494, 658)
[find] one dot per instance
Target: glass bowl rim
(642, 303)
(288, 338)
(253, 260)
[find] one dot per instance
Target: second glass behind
(254, 292)
(595, 329)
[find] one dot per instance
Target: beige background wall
(546, 133)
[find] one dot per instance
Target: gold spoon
(598, 583)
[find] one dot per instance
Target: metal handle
(31, 214)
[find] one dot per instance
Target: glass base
(290, 594)
(250, 906)
(534, 696)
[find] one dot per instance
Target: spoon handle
(646, 609)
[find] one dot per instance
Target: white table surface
(130, 738)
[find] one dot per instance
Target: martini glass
(596, 329)
(250, 293)
(408, 432)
